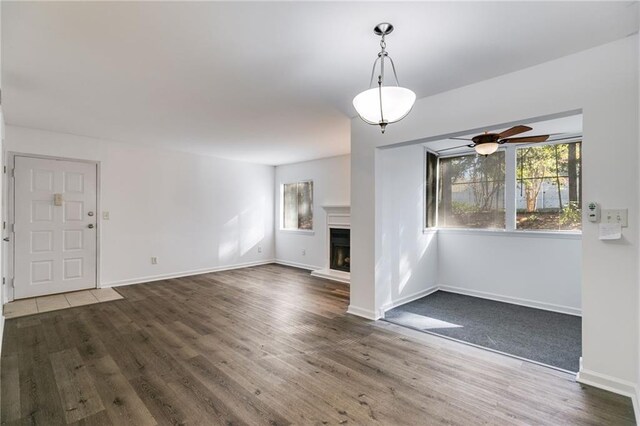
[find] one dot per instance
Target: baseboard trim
(361, 312)
(611, 384)
(408, 298)
(513, 300)
(328, 274)
(152, 278)
(483, 295)
(295, 264)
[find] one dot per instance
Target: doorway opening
(497, 261)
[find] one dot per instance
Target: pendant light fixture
(383, 104)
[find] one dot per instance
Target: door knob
(90, 213)
(90, 226)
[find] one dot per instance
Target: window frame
(515, 187)
(296, 230)
(425, 214)
(465, 154)
(510, 188)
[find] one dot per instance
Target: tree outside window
(471, 191)
(297, 205)
(549, 187)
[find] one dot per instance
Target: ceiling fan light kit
(383, 105)
(487, 148)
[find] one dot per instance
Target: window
(297, 205)
(471, 191)
(529, 188)
(431, 196)
(549, 187)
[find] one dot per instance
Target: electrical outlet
(304, 252)
(154, 260)
(259, 249)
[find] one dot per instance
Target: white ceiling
(263, 82)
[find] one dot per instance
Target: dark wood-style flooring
(267, 345)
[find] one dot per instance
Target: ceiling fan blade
(461, 139)
(454, 147)
(526, 139)
(515, 130)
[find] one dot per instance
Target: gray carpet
(548, 337)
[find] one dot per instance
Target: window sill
(298, 231)
(562, 235)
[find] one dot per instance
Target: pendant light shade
(388, 103)
(487, 148)
(383, 104)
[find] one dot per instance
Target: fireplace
(339, 249)
(337, 266)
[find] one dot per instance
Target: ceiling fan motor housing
(485, 138)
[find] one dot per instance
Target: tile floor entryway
(20, 308)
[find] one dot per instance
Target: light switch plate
(105, 215)
(616, 216)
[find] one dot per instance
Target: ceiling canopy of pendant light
(383, 104)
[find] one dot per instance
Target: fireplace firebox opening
(339, 249)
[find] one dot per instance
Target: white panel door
(55, 226)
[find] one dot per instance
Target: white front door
(55, 226)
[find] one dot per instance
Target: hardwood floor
(267, 345)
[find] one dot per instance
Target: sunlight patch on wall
(252, 226)
(229, 241)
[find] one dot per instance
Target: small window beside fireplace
(339, 249)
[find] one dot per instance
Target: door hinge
(4, 225)
(3, 280)
(13, 172)
(4, 169)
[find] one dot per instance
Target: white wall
(2, 205)
(409, 267)
(534, 270)
(331, 183)
(195, 213)
(603, 83)
(2, 218)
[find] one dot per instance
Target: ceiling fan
(487, 143)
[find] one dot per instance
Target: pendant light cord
(381, 55)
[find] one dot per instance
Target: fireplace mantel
(338, 216)
(338, 209)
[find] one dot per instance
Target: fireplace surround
(338, 245)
